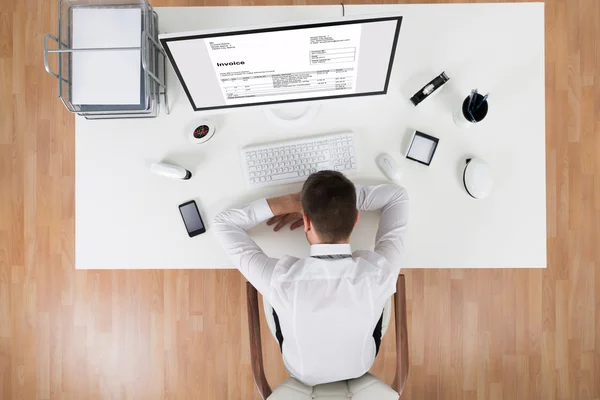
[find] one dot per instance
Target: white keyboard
(291, 161)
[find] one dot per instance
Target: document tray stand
(105, 86)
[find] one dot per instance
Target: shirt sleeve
(230, 227)
(392, 200)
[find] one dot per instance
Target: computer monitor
(287, 63)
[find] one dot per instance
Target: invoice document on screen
(287, 64)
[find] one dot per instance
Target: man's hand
(283, 220)
(287, 209)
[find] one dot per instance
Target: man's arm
(392, 200)
(231, 225)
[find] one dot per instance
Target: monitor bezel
(194, 36)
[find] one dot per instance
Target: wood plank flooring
(474, 334)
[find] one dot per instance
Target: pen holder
(465, 119)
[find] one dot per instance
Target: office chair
(363, 388)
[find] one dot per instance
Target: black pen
(470, 99)
(471, 103)
(482, 101)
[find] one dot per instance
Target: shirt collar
(327, 249)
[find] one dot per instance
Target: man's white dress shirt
(327, 309)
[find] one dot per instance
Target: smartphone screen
(191, 218)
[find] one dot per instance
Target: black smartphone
(191, 218)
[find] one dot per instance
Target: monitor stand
(291, 116)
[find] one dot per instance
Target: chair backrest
(359, 388)
(367, 387)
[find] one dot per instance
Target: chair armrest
(258, 371)
(401, 336)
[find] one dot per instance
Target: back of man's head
(329, 200)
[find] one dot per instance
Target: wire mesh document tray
(109, 62)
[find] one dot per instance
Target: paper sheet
(287, 64)
(422, 149)
(106, 77)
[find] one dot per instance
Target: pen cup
(464, 119)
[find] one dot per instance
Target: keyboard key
(288, 175)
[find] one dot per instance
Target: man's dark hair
(329, 200)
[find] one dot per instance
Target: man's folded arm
(230, 227)
(392, 200)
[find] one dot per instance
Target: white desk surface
(128, 218)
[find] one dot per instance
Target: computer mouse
(477, 178)
(388, 166)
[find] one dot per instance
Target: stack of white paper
(422, 149)
(106, 77)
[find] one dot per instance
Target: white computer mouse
(388, 166)
(477, 178)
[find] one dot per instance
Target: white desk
(128, 218)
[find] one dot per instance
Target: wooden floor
(474, 334)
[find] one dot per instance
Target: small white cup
(459, 115)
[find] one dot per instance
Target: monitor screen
(284, 64)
